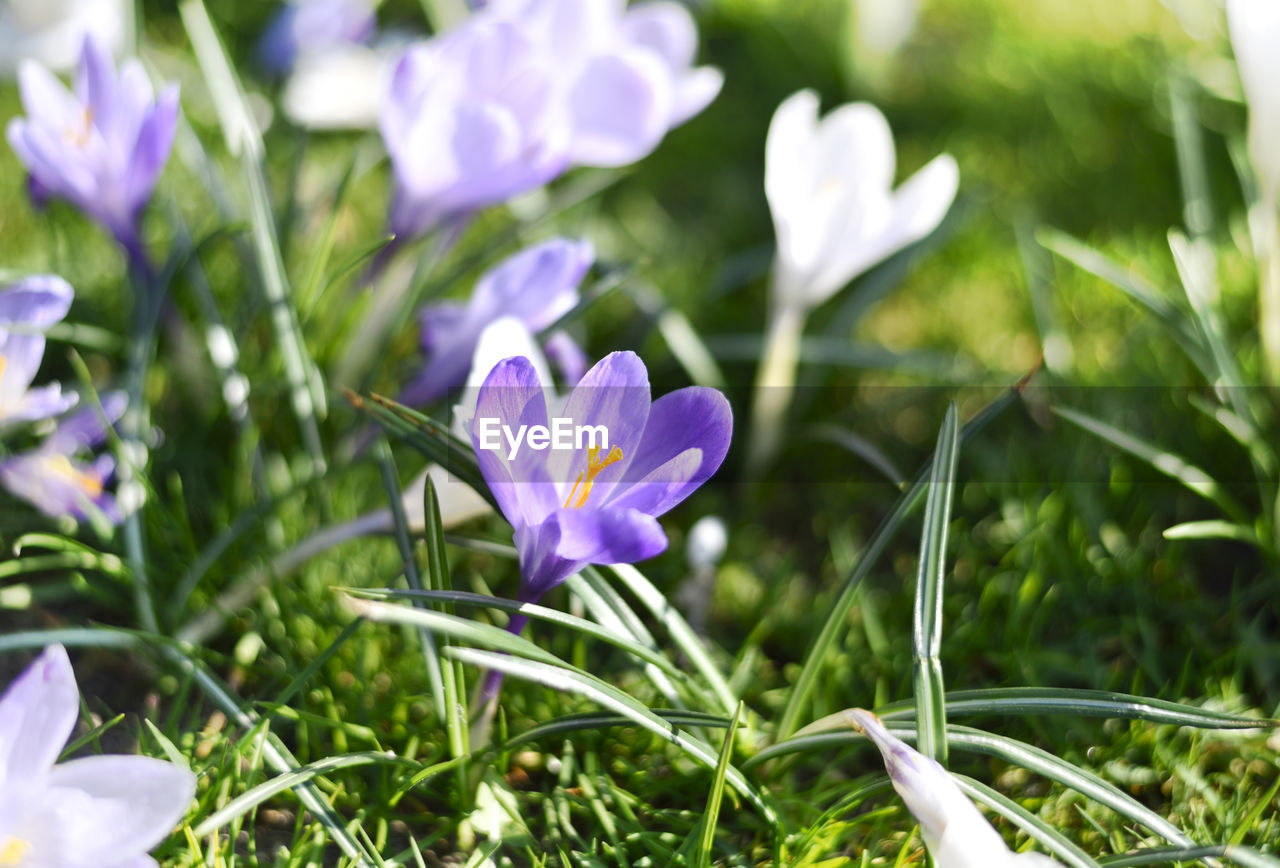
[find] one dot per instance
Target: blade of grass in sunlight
(404, 541)
(1047, 836)
(602, 720)
(686, 640)
(1171, 465)
(926, 631)
(1246, 856)
(558, 677)
(815, 656)
(1003, 701)
(245, 142)
(712, 814)
(249, 800)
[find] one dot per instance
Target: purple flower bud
(102, 145)
(536, 286)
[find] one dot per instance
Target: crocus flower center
(12, 851)
(61, 466)
(587, 479)
(79, 136)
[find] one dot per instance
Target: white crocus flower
(830, 187)
(954, 830)
(52, 32)
(343, 86)
(102, 811)
(1255, 35)
(829, 183)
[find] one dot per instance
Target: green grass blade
(1171, 465)
(926, 632)
(1000, 701)
(1246, 856)
(1044, 834)
(603, 720)
(250, 799)
(816, 656)
(712, 815)
(558, 677)
(689, 643)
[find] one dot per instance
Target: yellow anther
(588, 478)
(12, 852)
(60, 465)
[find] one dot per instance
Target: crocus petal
(151, 150)
(123, 806)
(954, 830)
(87, 427)
(1254, 26)
(37, 714)
(613, 395)
(567, 355)
(538, 285)
(35, 404)
(503, 338)
(695, 90)
(686, 438)
(331, 90)
(915, 210)
(42, 93)
(621, 107)
(664, 27)
(511, 397)
(609, 536)
(35, 302)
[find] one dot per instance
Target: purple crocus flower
(586, 498)
(27, 309)
(100, 147)
(51, 477)
(536, 286)
(625, 75)
(314, 25)
(103, 811)
(472, 119)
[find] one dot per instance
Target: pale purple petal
(38, 711)
(310, 25)
(37, 302)
(685, 441)
(621, 106)
(103, 810)
(512, 396)
(151, 151)
(665, 27)
(609, 536)
(695, 90)
(538, 285)
(96, 81)
(567, 355)
(87, 427)
(613, 395)
(43, 94)
(59, 486)
(42, 402)
(438, 323)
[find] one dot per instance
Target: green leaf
(816, 656)
(712, 814)
(926, 632)
(250, 799)
(1171, 465)
(560, 677)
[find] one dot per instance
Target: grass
(1052, 571)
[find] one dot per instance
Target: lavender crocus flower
(471, 120)
(27, 309)
(536, 286)
(100, 147)
(305, 26)
(52, 478)
(593, 503)
(103, 811)
(625, 75)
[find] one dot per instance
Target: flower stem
(775, 384)
(1266, 241)
(145, 305)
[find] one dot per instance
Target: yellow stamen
(60, 465)
(12, 852)
(593, 470)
